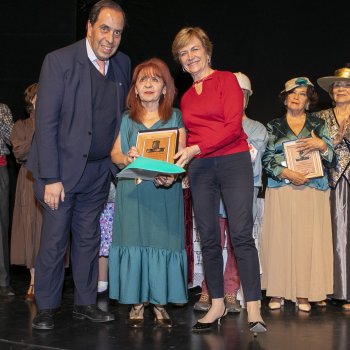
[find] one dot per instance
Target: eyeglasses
(341, 84)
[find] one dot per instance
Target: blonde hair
(184, 36)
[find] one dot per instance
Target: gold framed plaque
(158, 144)
(309, 164)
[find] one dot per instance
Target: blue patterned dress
(106, 222)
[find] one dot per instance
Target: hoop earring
(183, 69)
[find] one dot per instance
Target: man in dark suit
(81, 94)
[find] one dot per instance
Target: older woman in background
(338, 121)
(219, 164)
(27, 212)
(296, 243)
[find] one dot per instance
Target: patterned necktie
(101, 66)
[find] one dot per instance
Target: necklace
(199, 81)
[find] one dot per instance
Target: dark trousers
(79, 215)
(232, 178)
(4, 227)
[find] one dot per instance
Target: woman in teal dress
(147, 260)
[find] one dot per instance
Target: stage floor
(326, 329)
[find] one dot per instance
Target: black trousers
(79, 216)
(232, 178)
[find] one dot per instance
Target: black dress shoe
(6, 291)
(92, 313)
(203, 327)
(44, 319)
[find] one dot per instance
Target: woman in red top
(219, 164)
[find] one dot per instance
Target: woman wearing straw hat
(338, 122)
(296, 240)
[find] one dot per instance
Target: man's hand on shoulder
(53, 193)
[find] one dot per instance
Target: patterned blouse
(274, 158)
(6, 124)
(342, 151)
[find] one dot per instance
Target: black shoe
(257, 327)
(202, 327)
(6, 291)
(44, 319)
(92, 313)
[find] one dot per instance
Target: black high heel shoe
(257, 327)
(165, 321)
(206, 326)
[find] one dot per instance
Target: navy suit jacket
(63, 130)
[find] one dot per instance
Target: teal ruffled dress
(147, 259)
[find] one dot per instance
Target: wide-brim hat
(342, 74)
(296, 82)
